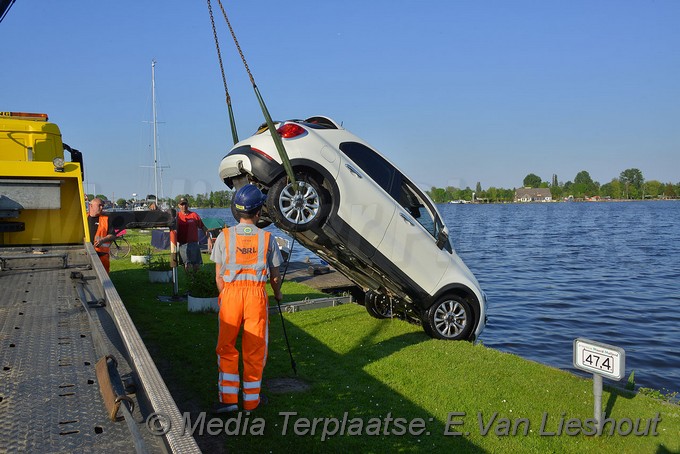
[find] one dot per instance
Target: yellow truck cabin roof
(29, 137)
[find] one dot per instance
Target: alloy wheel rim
(299, 207)
(450, 318)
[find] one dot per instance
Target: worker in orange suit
(245, 257)
(101, 231)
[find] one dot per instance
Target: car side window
(397, 186)
(411, 199)
(381, 171)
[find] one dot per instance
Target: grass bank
(383, 386)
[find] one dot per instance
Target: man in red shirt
(188, 224)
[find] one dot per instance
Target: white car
(361, 214)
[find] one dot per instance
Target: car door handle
(405, 218)
(352, 171)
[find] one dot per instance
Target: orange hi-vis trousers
(242, 303)
(105, 259)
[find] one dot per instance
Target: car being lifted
(365, 217)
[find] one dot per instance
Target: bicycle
(120, 246)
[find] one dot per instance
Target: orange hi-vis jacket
(243, 301)
(246, 257)
(103, 248)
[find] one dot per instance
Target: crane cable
(268, 119)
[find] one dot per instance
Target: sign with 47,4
(599, 358)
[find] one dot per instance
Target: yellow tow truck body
(41, 196)
(63, 319)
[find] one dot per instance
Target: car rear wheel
(301, 210)
(450, 318)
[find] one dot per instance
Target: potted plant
(140, 253)
(203, 291)
(159, 269)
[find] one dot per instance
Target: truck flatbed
(59, 316)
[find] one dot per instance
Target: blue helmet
(248, 198)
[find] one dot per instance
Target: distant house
(533, 195)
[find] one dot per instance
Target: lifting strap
(270, 124)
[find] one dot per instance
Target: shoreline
(561, 201)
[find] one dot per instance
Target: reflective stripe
(249, 397)
(251, 384)
(229, 377)
(260, 248)
(244, 273)
(229, 389)
(232, 245)
(243, 277)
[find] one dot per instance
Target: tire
(378, 306)
(450, 318)
(304, 210)
(120, 248)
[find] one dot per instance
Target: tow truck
(75, 375)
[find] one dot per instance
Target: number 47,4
(594, 361)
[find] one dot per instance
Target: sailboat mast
(155, 130)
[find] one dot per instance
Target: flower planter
(160, 276)
(196, 304)
(143, 259)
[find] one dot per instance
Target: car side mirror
(442, 239)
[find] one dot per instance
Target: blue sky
(453, 92)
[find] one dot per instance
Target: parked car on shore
(360, 213)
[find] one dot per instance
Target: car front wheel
(300, 210)
(450, 318)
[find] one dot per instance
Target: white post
(155, 130)
(175, 283)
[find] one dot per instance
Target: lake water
(553, 272)
(609, 272)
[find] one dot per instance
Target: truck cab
(41, 195)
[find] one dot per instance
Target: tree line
(214, 199)
(630, 185)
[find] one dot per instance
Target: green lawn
(394, 387)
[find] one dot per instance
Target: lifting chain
(232, 121)
(238, 47)
(270, 124)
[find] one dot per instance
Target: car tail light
(262, 153)
(291, 130)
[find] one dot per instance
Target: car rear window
(319, 123)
